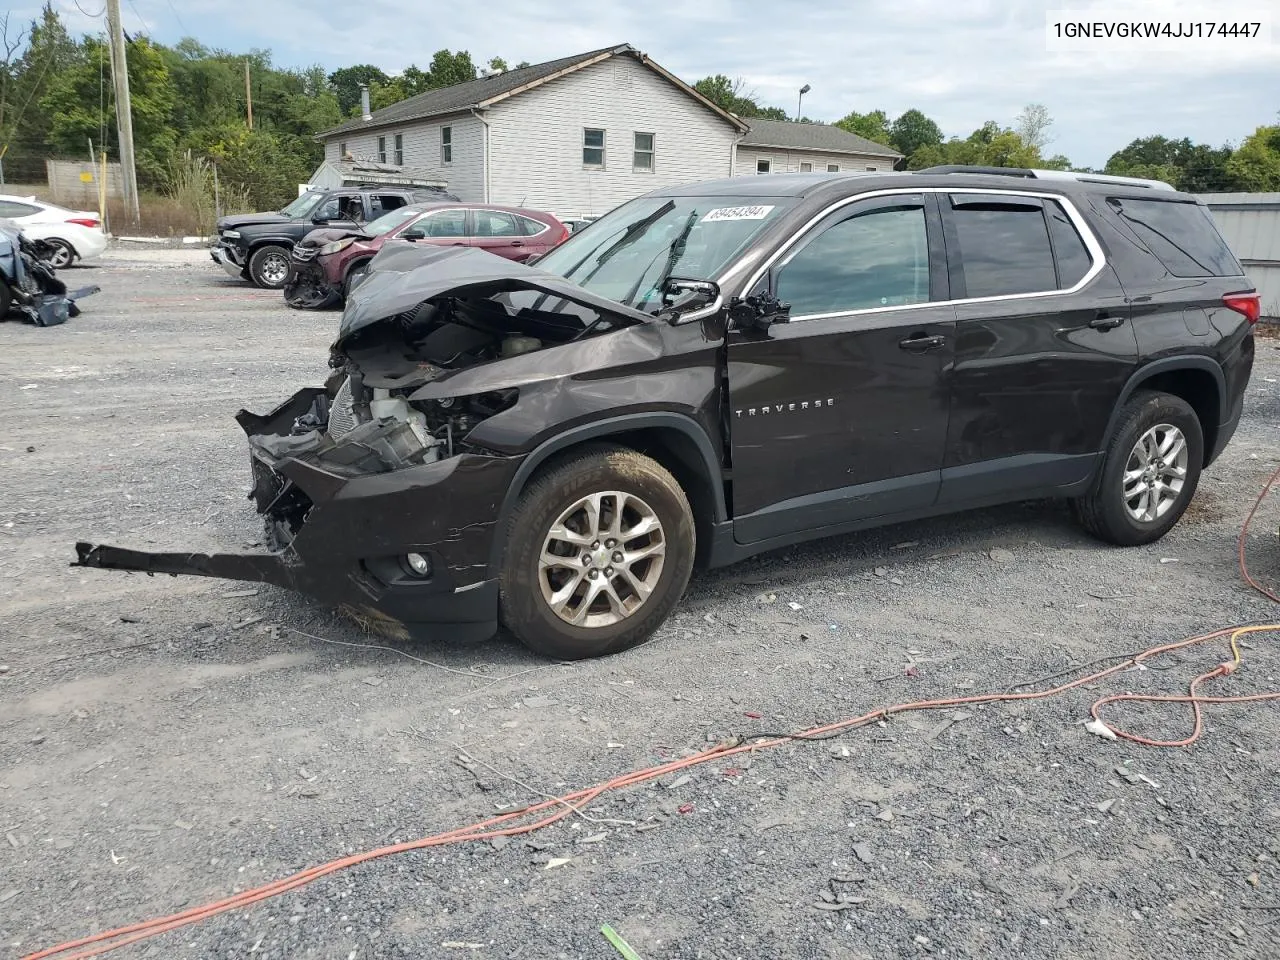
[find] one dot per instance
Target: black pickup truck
(256, 246)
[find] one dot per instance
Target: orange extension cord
(504, 826)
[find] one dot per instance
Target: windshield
(302, 206)
(628, 254)
(389, 221)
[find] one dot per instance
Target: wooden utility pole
(124, 108)
(248, 93)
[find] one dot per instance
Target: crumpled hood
(323, 235)
(249, 219)
(403, 275)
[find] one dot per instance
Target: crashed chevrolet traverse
(719, 369)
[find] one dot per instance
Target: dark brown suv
(718, 369)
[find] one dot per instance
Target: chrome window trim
(1077, 220)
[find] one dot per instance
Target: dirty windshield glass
(302, 206)
(628, 255)
(389, 221)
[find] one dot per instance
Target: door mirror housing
(413, 233)
(758, 312)
(681, 295)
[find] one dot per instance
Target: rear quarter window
(1181, 236)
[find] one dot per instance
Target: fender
(1167, 365)
(255, 242)
(598, 430)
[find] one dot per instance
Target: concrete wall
(68, 189)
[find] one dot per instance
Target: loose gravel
(168, 741)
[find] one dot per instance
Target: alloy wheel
(602, 559)
(1155, 473)
(62, 254)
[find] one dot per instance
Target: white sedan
(75, 234)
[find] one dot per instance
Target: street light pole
(800, 100)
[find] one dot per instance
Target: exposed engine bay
(370, 418)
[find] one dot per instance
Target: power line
(178, 17)
(91, 16)
(139, 16)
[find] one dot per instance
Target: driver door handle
(517, 243)
(921, 343)
(1104, 321)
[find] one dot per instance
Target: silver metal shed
(1250, 222)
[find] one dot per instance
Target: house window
(833, 168)
(399, 150)
(342, 150)
(763, 165)
(592, 147)
(382, 149)
(446, 145)
(872, 169)
(806, 166)
(643, 160)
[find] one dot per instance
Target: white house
(580, 135)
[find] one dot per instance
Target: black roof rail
(996, 171)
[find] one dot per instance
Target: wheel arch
(673, 440)
(1197, 380)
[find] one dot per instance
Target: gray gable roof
(811, 136)
(484, 90)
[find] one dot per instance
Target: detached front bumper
(229, 258)
(344, 539)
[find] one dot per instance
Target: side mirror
(681, 296)
(413, 233)
(758, 312)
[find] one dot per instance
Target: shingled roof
(486, 90)
(820, 137)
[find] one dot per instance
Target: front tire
(1150, 473)
(599, 552)
(269, 267)
(355, 276)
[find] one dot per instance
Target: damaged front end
(372, 494)
(307, 287)
(30, 286)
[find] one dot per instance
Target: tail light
(92, 223)
(1248, 304)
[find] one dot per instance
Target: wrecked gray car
(28, 284)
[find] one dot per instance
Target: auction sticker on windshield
(736, 213)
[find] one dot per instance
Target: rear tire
(6, 298)
(63, 256)
(269, 266)
(569, 589)
(1150, 472)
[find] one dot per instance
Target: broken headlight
(337, 246)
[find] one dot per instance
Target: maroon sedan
(327, 262)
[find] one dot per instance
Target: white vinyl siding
(422, 140)
(536, 139)
(789, 161)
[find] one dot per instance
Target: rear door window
(382, 202)
(1181, 235)
(13, 209)
(1004, 245)
(495, 223)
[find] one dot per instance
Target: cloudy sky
(960, 62)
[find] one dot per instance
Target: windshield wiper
(674, 253)
(629, 236)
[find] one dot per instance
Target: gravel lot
(164, 742)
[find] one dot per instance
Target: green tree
(24, 122)
(1032, 125)
(72, 104)
(989, 146)
(450, 68)
(913, 130)
(1194, 167)
(1255, 166)
(497, 63)
(346, 85)
(873, 125)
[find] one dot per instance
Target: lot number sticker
(737, 213)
